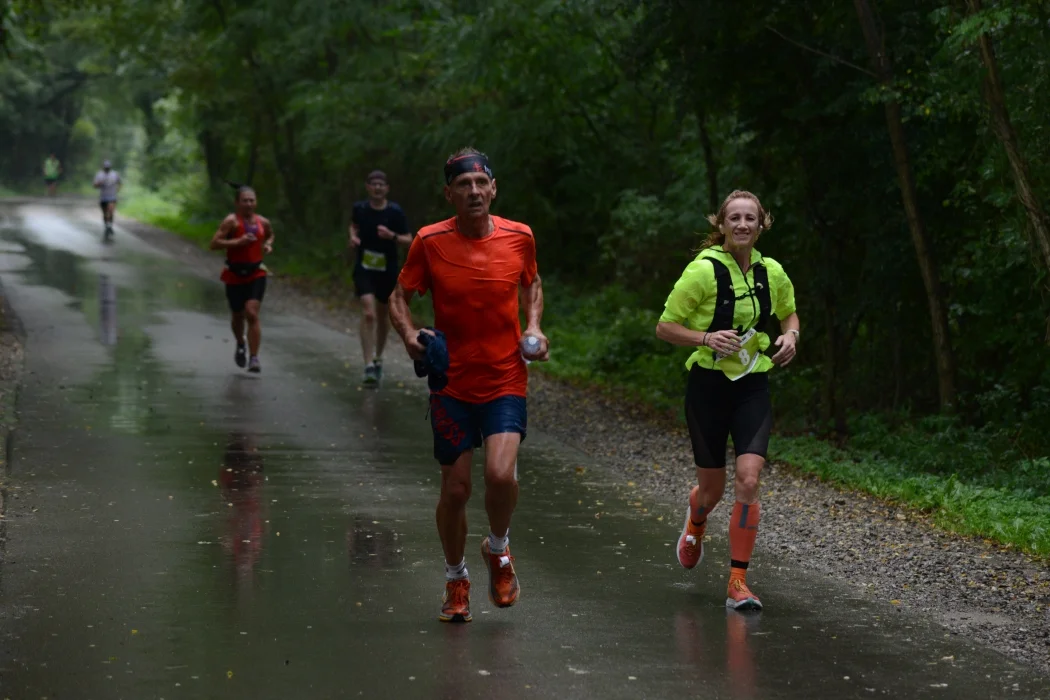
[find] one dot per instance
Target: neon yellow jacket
(692, 301)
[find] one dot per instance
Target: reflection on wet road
(185, 530)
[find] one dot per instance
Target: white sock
(498, 545)
(454, 573)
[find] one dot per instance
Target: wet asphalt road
(177, 528)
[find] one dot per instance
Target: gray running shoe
(378, 365)
(253, 364)
(371, 376)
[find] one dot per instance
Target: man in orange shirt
(474, 266)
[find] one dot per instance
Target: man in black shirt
(377, 227)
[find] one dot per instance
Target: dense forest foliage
(901, 144)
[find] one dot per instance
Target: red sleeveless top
(244, 265)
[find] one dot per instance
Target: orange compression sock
(743, 528)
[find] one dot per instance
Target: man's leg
(501, 480)
(503, 424)
(452, 508)
(368, 326)
(382, 328)
(237, 326)
(251, 315)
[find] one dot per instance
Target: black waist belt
(243, 269)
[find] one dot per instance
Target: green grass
(157, 210)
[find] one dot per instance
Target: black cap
(376, 175)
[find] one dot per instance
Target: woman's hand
(786, 353)
(725, 342)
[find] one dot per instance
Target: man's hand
(268, 247)
(543, 353)
(355, 240)
(416, 350)
(385, 233)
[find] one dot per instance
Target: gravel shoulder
(888, 553)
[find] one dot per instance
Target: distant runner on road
(377, 227)
(247, 238)
(108, 183)
(52, 171)
(474, 266)
(722, 306)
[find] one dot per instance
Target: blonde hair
(716, 237)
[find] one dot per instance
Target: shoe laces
(504, 573)
(458, 593)
(739, 586)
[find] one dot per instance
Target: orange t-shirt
(250, 254)
(474, 286)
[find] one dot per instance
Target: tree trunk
(253, 153)
(1004, 130)
(709, 162)
(920, 239)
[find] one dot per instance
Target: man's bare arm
(401, 320)
(532, 300)
(221, 240)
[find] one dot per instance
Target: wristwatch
(792, 330)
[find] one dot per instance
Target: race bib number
(371, 260)
(743, 361)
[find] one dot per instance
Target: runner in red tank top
(247, 238)
(474, 265)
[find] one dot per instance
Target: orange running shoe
(691, 541)
(740, 597)
(455, 605)
(503, 582)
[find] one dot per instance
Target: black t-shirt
(373, 247)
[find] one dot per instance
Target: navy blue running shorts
(460, 426)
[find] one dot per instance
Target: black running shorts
(716, 408)
(240, 294)
(379, 283)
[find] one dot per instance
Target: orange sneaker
(740, 597)
(455, 606)
(691, 541)
(503, 582)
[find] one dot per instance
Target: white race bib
(743, 361)
(371, 260)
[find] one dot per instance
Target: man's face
(246, 202)
(377, 188)
(471, 194)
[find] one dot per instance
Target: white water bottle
(532, 346)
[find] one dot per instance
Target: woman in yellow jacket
(722, 305)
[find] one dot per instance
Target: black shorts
(105, 203)
(716, 407)
(376, 282)
(50, 180)
(240, 294)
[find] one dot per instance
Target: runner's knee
(747, 484)
(368, 316)
(455, 493)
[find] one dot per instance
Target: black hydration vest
(726, 298)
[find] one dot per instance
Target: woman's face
(741, 224)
